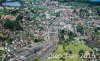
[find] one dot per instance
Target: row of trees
(72, 0)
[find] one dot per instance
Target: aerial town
(49, 30)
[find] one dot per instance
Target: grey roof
(25, 54)
(11, 4)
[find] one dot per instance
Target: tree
(70, 52)
(64, 47)
(35, 59)
(19, 17)
(62, 58)
(80, 29)
(2, 0)
(39, 39)
(71, 35)
(1, 52)
(12, 25)
(81, 52)
(96, 29)
(61, 38)
(14, 12)
(63, 1)
(0, 16)
(57, 14)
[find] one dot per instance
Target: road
(53, 32)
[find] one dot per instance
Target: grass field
(75, 51)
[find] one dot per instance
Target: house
(5, 17)
(1, 8)
(77, 21)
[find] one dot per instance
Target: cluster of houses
(23, 38)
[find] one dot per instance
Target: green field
(1, 58)
(2, 12)
(75, 51)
